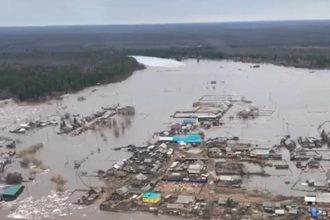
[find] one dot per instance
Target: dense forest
(35, 82)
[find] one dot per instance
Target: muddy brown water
(298, 98)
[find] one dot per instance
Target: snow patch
(157, 62)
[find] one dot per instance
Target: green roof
(12, 190)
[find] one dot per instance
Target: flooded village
(208, 140)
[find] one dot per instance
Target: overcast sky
(70, 12)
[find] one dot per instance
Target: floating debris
(51, 206)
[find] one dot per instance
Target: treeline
(33, 82)
(312, 62)
(286, 59)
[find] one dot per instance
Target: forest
(35, 82)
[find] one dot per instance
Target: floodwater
(298, 98)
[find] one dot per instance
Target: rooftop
(185, 199)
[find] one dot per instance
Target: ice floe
(50, 206)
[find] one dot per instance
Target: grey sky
(67, 12)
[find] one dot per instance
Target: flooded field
(297, 98)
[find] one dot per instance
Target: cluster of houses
(187, 170)
(23, 128)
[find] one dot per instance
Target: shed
(122, 191)
(176, 127)
(163, 145)
(328, 176)
(185, 199)
(165, 138)
(310, 199)
(194, 171)
(174, 206)
(147, 160)
(226, 178)
(141, 177)
(174, 164)
(210, 117)
(169, 152)
(151, 147)
(222, 201)
(293, 211)
(11, 192)
(280, 212)
(260, 152)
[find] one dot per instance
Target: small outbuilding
(11, 192)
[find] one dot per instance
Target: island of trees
(37, 75)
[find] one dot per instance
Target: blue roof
(189, 138)
(151, 195)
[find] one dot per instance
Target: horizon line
(165, 23)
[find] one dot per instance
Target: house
(196, 168)
(141, 177)
(189, 138)
(151, 197)
(323, 199)
(260, 153)
(293, 211)
(271, 206)
(319, 199)
(185, 199)
(209, 117)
